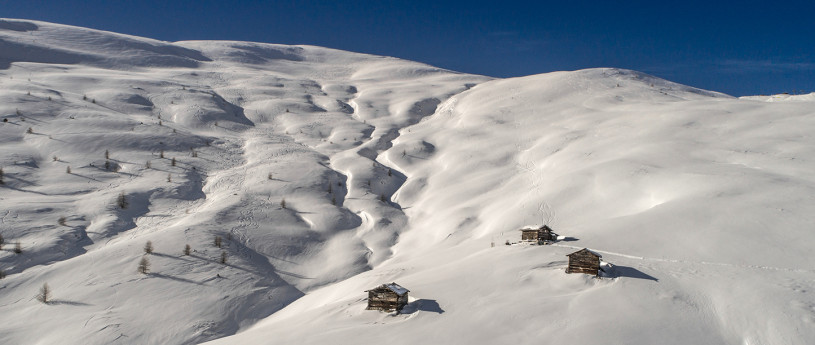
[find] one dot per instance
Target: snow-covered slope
(390, 171)
(809, 97)
(700, 201)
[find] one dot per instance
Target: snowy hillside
(325, 173)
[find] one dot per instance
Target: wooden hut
(540, 235)
(584, 261)
(387, 297)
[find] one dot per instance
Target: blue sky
(740, 48)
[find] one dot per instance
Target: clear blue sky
(740, 48)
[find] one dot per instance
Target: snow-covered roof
(398, 289)
(534, 227)
(588, 250)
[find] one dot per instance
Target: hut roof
(396, 288)
(535, 227)
(586, 250)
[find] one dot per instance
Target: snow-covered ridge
(783, 97)
(327, 173)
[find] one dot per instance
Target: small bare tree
(148, 247)
(144, 265)
(121, 200)
(107, 154)
(45, 294)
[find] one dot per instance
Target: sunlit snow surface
(391, 171)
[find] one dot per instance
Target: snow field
(391, 171)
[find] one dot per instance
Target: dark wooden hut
(584, 261)
(387, 297)
(540, 235)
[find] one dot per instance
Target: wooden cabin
(540, 235)
(584, 261)
(387, 297)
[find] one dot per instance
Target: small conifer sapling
(121, 200)
(45, 294)
(144, 265)
(148, 247)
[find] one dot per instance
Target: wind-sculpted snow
(325, 173)
(698, 200)
(60, 44)
(256, 144)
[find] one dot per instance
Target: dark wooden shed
(387, 297)
(584, 261)
(541, 235)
